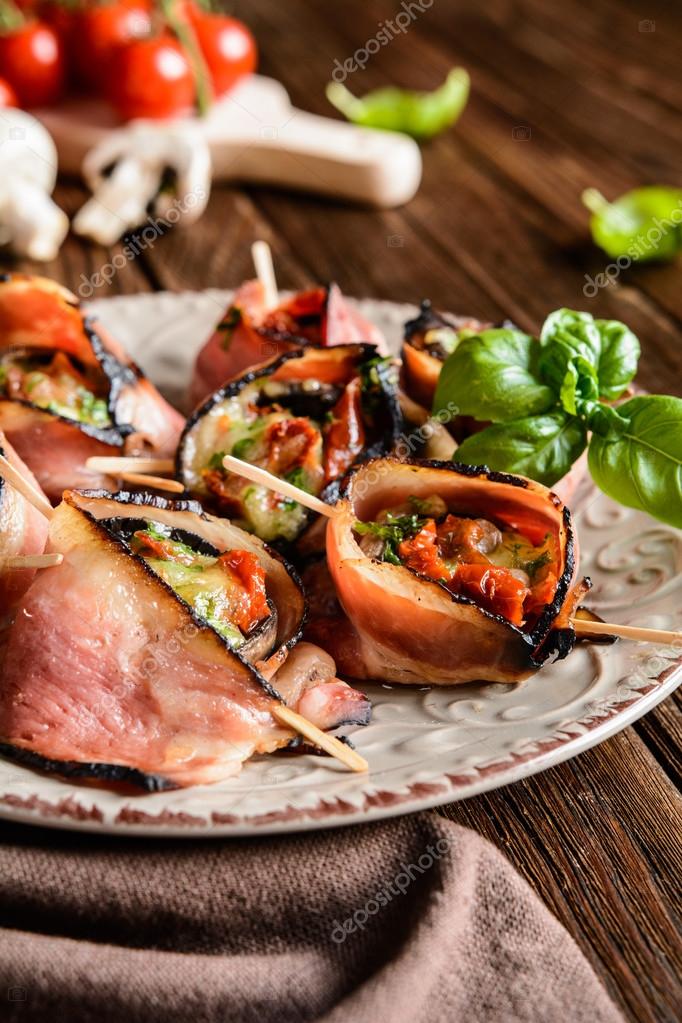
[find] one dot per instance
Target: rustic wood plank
(662, 732)
(590, 836)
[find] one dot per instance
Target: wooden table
(564, 96)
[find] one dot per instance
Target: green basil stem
(186, 36)
(594, 200)
(345, 102)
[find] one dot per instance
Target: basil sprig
(548, 400)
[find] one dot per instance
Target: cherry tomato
(150, 78)
(8, 97)
(32, 61)
(99, 30)
(228, 47)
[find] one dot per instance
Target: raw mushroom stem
(588, 628)
(141, 479)
(26, 489)
(329, 743)
(265, 271)
(114, 465)
(34, 561)
(266, 479)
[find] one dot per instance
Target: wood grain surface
(565, 96)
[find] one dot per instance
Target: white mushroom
(29, 220)
(125, 172)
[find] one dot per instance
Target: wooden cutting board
(256, 135)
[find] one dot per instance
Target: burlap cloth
(413, 920)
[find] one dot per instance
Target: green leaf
(579, 386)
(642, 225)
(492, 376)
(420, 114)
(603, 419)
(642, 468)
(620, 351)
(566, 334)
(541, 447)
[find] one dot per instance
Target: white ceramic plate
(425, 746)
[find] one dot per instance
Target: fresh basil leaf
(603, 419)
(541, 447)
(620, 351)
(420, 114)
(642, 468)
(579, 386)
(492, 376)
(566, 334)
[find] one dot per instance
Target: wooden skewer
(329, 743)
(158, 482)
(587, 628)
(266, 479)
(34, 561)
(114, 466)
(262, 260)
(26, 489)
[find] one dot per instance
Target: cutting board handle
(317, 154)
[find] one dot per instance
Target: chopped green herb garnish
(533, 567)
(216, 460)
(298, 478)
(242, 447)
(393, 531)
(420, 506)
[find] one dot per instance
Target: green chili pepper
(644, 224)
(420, 114)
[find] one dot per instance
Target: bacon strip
(248, 333)
(406, 628)
(106, 666)
(38, 314)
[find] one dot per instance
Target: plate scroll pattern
(425, 746)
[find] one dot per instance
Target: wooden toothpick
(265, 270)
(26, 489)
(115, 466)
(141, 479)
(34, 561)
(586, 628)
(329, 743)
(267, 479)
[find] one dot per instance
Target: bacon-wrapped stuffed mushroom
(69, 392)
(449, 573)
(145, 656)
(428, 340)
(249, 332)
(306, 416)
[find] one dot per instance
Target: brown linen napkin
(411, 920)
